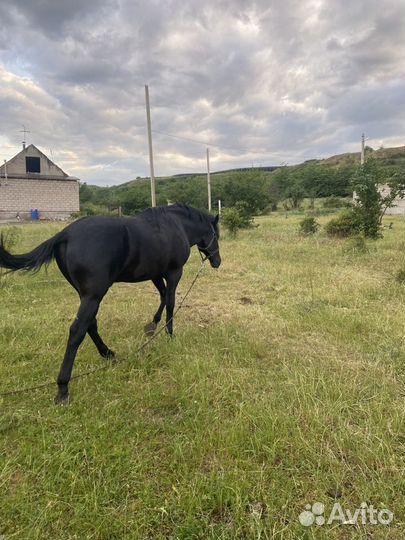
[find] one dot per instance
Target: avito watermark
(366, 514)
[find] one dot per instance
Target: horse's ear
(216, 219)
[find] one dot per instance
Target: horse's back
(106, 249)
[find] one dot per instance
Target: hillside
(391, 156)
(261, 188)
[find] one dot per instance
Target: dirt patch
(245, 300)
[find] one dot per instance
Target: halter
(205, 257)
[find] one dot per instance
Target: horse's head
(208, 245)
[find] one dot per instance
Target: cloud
(263, 82)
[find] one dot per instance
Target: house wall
(398, 209)
(55, 199)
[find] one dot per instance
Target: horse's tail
(32, 261)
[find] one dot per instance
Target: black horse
(95, 252)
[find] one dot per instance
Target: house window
(33, 164)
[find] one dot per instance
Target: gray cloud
(265, 82)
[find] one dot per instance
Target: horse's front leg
(172, 280)
(161, 287)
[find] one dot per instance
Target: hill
(262, 188)
(391, 156)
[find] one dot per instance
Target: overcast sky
(263, 82)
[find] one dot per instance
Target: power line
(242, 150)
(214, 145)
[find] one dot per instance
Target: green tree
(85, 193)
(134, 199)
(249, 187)
(278, 183)
(318, 180)
(191, 190)
(375, 193)
(295, 194)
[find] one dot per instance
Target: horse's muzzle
(215, 263)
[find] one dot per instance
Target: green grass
(282, 387)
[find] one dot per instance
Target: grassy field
(283, 387)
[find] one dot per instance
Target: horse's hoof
(150, 328)
(62, 400)
(108, 354)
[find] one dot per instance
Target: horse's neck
(194, 231)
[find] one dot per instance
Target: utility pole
(362, 149)
(152, 172)
(208, 180)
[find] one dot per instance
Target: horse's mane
(178, 208)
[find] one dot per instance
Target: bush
(245, 210)
(335, 202)
(344, 225)
(286, 206)
(10, 237)
(271, 207)
(91, 209)
(308, 226)
(356, 244)
(236, 218)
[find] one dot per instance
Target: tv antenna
(25, 131)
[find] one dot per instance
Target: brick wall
(53, 198)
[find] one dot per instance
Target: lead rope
(106, 366)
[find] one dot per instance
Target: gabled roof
(31, 149)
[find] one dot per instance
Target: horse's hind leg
(85, 316)
(161, 287)
(102, 348)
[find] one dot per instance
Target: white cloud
(273, 82)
